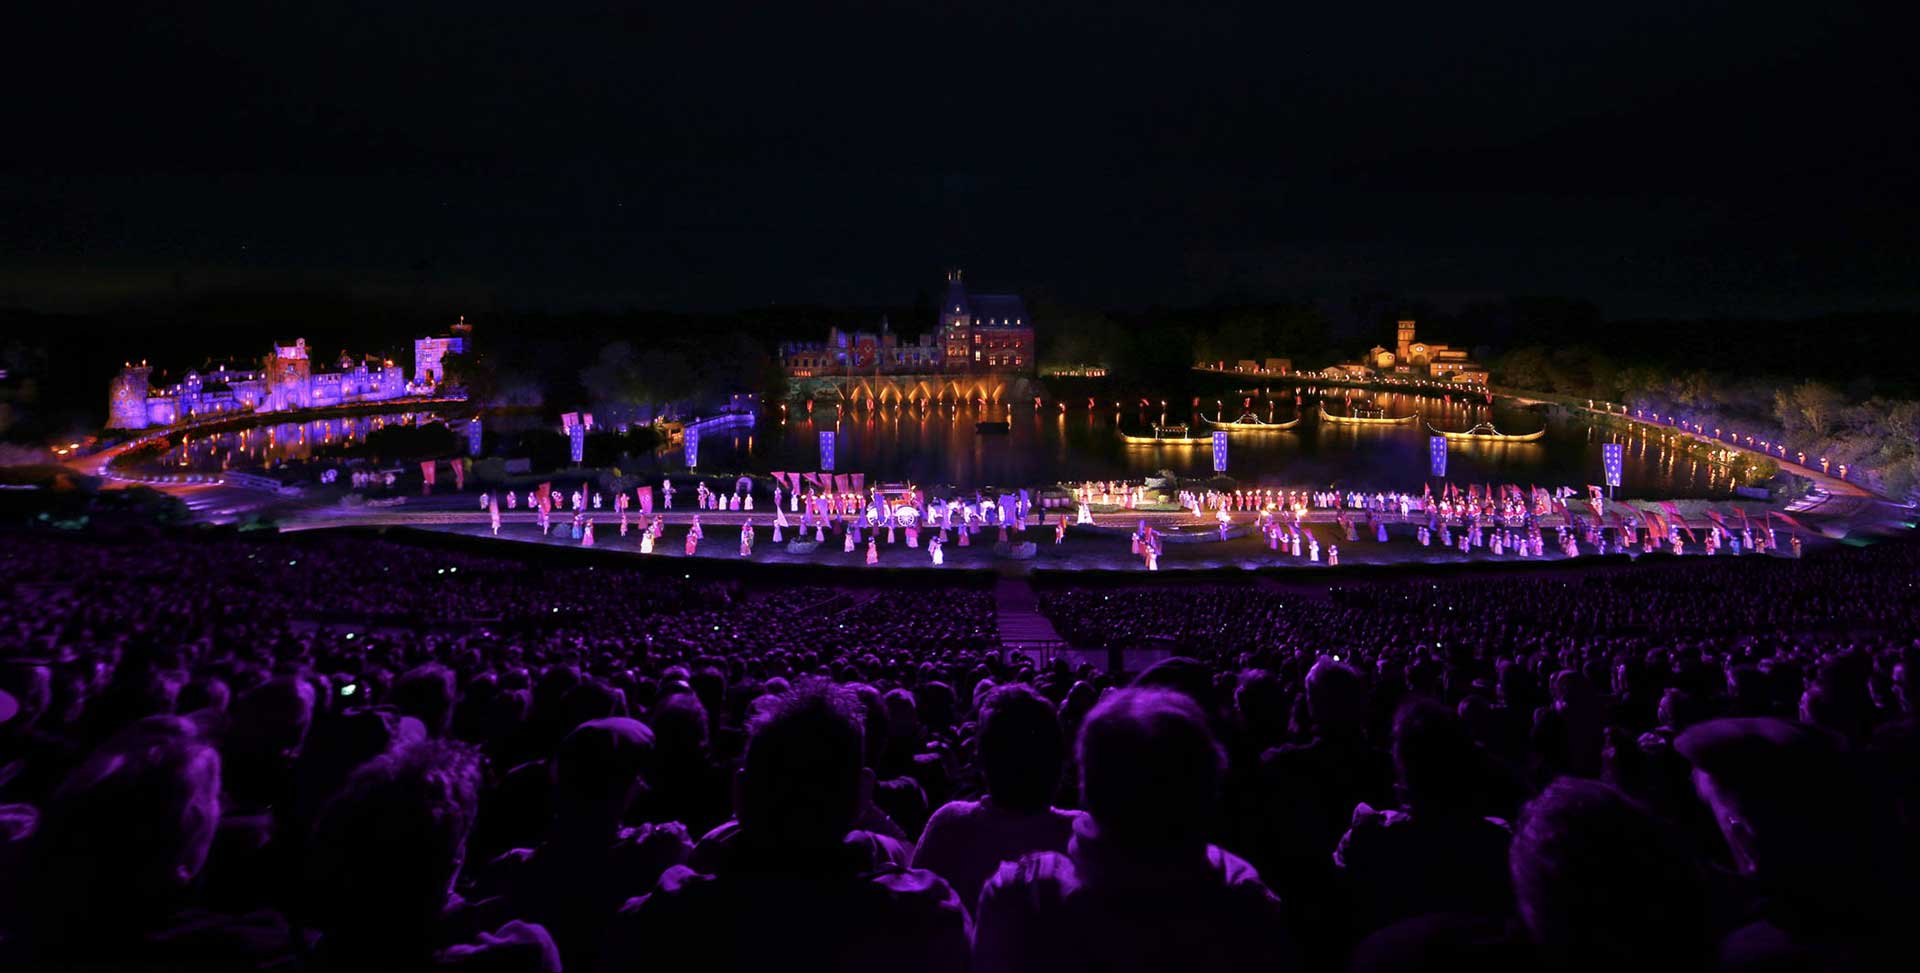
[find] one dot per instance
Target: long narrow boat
(1250, 423)
(1484, 432)
(1168, 436)
(1364, 420)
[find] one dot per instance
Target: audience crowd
(248, 751)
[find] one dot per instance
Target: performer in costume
(493, 516)
(873, 550)
(746, 538)
(586, 538)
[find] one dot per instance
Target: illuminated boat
(1364, 420)
(1174, 435)
(1484, 432)
(1249, 423)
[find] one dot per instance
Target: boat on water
(1485, 432)
(1364, 420)
(993, 425)
(1249, 422)
(1170, 435)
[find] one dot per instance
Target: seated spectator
(1139, 887)
(1813, 843)
(796, 888)
(384, 857)
(106, 880)
(1603, 885)
(1437, 852)
(1021, 751)
(590, 864)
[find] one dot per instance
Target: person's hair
(388, 846)
(1435, 758)
(1336, 696)
(679, 725)
(131, 825)
(426, 694)
(805, 752)
(1150, 769)
(1021, 748)
(1603, 884)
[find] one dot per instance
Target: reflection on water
(271, 445)
(940, 445)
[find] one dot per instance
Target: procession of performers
(1505, 523)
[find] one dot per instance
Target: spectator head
(1336, 698)
(1436, 761)
(124, 835)
(1791, 812)
(388, 846)
(1263, 704)
(1021, 748)
(209, 693)
(1602, 884)
(1182, 675)
(600, 767)
(273, 717)
(427, 695)
(804, 779)
(679, 725)
(1150, 769)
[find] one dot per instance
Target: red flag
(1744, 525)
(645, 496)
(1653, 521)
(460, 473)
(860, 483)
(1791, 522)
(842, 483)
(1678, 519)
(545, 495)
(426, 471)
(1429, 491)
(1717, 519)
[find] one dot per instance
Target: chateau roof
(999, 307)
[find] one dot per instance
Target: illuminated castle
(1420, 359)
(985, 332)
(977, 333)
(285, 381)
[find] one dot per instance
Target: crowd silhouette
(247, 751)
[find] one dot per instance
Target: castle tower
(289, 375)
(956, 321)
(1406, 339)
(127, 398)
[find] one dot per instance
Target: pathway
(1017, 612)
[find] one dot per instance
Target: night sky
(1669, 158)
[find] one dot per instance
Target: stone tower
(1401, 353)
(127, 398)
(956, 321)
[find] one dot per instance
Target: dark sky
(1659, 158)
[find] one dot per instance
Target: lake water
(939, 445)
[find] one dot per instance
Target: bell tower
(956, 322)
(1406, 339)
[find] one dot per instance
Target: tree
(1810, 407)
